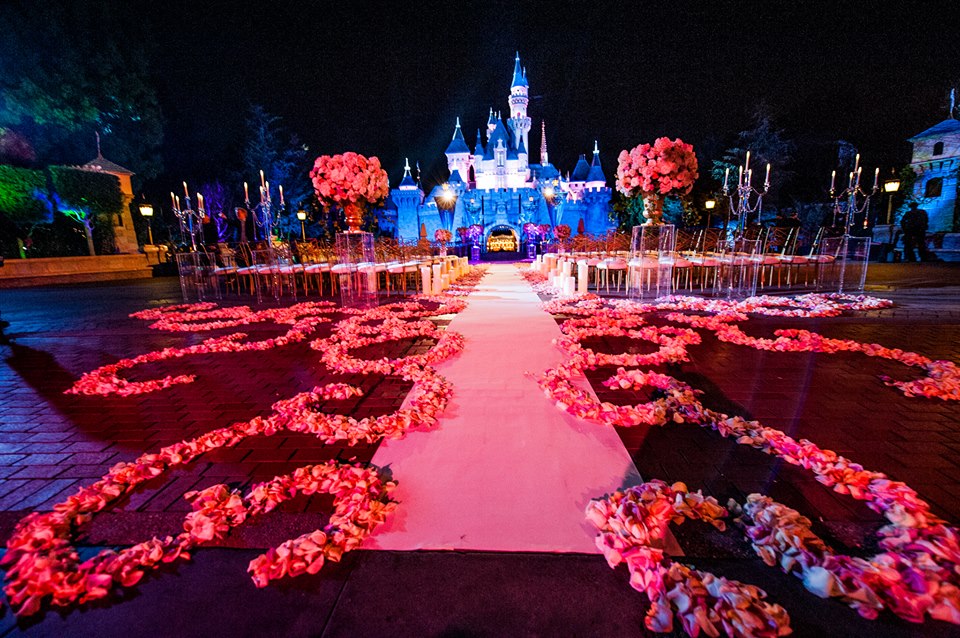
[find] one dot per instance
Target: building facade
(936, 162)
(495, 185)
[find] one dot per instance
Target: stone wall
(19, 273)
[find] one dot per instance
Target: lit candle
(876, 178)
(246, 193)
(178, 202)
(856, 163)
(263, 184)
(833, 181)
(726, 177)
(281, 193)
(173, 200)
(266, 190)
(199, 202)
(859, 169)
(750, 177)
(739, 176)
(766, 181)
(746, 165)
(850, 181)
(261, 194)
(186, 193)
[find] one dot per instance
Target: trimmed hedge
(98, 193)
(18, 200)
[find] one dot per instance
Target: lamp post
(710, 204)
(302, 216)
(146, 211)
(890, 187)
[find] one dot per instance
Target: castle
(497, 187)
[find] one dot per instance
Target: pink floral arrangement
(442, 235)
(475, 232)
(544, 230)
(350, 181)
(561, 232)
(531, 230)
(665, 168)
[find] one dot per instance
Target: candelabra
(190, 220)
(852, 200)
(263, 213)
(851, 253)
(745, 200)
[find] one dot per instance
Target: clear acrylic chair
(196, 277)
(738, 264)
(842, 265)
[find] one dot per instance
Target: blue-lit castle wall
(494, 184)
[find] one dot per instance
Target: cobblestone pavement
(51, 443)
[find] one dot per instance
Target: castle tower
(478, 154)
(544, 158)
(595, 176)
(458, 153)
(408, 198)
(519, 99)
(491, 124)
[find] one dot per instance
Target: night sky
(389, 78)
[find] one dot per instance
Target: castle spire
(457, 145)
(544, 160)
(518, 79)
(407, 182)
(595, 176)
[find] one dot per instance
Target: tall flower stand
(475, 253)
(358, 279)
(650, 269)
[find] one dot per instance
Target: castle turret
(519, 99)
(458, 153)
(407, 197)
(491, 124)
(595, 176)
(407, 183)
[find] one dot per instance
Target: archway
(503, 239)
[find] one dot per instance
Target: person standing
(914, 229)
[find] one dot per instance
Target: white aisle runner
(505, 469)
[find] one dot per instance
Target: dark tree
(269, 147)
(71, 69)
(766, 143)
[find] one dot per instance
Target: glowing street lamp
(302, 216)
(890, 187)
(146, 210)
(710, 204)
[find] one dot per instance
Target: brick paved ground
(51, 443)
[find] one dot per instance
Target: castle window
(934, 187)
(938, 148)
